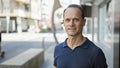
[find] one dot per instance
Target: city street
(14, 43)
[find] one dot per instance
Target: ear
(84, 22)
(63, 22)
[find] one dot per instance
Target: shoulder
(59, 46)
(94, 50)
(96, 55)
(93, 47)
(58, 49)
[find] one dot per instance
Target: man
(77, 51)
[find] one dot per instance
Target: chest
(74, 59)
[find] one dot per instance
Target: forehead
(72, 11)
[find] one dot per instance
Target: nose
(72, 23)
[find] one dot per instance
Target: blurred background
(26, 24)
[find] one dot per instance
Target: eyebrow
(72, 18)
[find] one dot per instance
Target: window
(105, 24)
(102, 23)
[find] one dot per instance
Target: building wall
(105, 28)
(19, 12)
(106, 36)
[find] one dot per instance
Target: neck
(74, 41)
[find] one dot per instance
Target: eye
(76, 19)
(67, 20)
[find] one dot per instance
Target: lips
(71, 28)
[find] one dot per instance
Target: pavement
(48, 58)
(15, 43)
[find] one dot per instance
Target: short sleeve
(100, 60)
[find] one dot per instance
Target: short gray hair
(80, 7)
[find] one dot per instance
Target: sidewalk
(48, 63)
(14, 44)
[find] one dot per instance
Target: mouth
(71, 28)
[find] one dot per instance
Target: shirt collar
(65, 43)
(84, 45)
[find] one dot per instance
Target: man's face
(73, 21)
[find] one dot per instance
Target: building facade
(19, 15)
(104, 28)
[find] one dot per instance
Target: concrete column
(19, 29)
(13, 25)
(8, 21)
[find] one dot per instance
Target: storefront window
(102, 23)
(110, 24)
(106, 24)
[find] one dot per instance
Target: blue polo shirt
(87, 55)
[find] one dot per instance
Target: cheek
(65, 25)
(79, 27)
